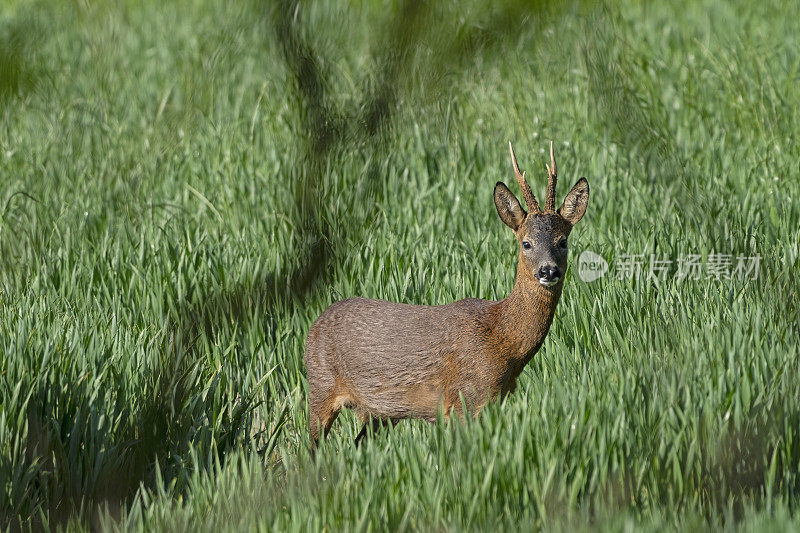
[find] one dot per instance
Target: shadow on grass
(18, 71)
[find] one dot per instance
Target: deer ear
(574, 205)
(511, 213)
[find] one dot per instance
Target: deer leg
(376, 423)
(361, 434)
(321, 417)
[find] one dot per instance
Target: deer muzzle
(549, 275)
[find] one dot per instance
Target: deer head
(542, 234)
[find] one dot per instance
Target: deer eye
(526, 245)
(562, 243)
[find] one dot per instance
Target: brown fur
(391, 361)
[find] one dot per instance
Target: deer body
(390, 361)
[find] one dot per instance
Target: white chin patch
(549, 283)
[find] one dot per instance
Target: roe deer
(390, 361)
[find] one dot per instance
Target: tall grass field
(186, 186)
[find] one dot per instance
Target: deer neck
(526, 315)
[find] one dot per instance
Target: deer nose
(549, 273)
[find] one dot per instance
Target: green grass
(164, 184)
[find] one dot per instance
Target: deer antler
(552, 174)
(527, 192)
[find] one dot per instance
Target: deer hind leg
(321, 416)
(375, 423)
